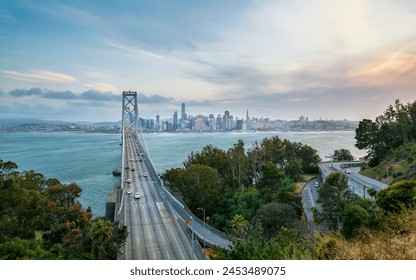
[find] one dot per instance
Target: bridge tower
(130, 113)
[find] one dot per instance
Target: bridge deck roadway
(154, 231)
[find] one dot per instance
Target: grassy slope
(399, 165)
(397, 244)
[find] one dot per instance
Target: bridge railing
(123, 150)
(185, 212)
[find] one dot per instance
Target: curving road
(310, 195)
(357, 182)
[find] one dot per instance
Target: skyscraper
(225, 120)
(175, 121)
(211, 122)
(183, 116)
(247, 122)
(218, 122)
(157, 124)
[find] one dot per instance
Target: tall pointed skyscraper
(247, 122)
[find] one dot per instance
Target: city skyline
(71, 60)
(228, 122)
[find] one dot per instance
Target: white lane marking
(174, 236)
(310, 195)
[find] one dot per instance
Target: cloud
(89, 95)
(26, 92)
(101, 87)
(397, 67)
(135, 51)
(39, 76)
(154, 99)
(202, 103)
(6, 17)
(94, 95)
(63, 95)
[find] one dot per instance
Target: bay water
(88, 159)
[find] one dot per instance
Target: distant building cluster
(186, 123)
(227, 122)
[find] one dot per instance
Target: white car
(137, 195)
(145, 174)
(347, 171)
(128, 181)
(316, 185)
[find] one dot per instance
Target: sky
(71, 60)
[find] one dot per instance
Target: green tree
(292, 198)
(293, 170)
(274, 216)
(343, 154)
(239, 165)
(353, 218)
(238, 226)
(396, 126)
(270, 182)
(334, 195)
(367, 137)
(31, 203)
(6, 168)
(65, 195)
(21, 249)
(213, 157)
(245, 202)
(287, 244)
(397, 197)
(201, 186)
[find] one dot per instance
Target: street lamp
(199, 208)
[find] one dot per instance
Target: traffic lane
(152, 215)
(138, 251)
(326, 168)
(164, 222)
(134, 234)
(178, 240)
(154, 245)
(310, 195)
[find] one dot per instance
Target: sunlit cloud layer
(279, 59)
(38, 76)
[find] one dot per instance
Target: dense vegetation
(395, 127)
(41, 218)
(398, 164)
(247, 192)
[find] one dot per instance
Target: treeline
(239, 188)
(343, 210)
(41, 218)
(357, 228)
(396, 126)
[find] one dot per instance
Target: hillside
(394, 242)
(398, 165)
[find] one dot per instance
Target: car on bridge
(145, 174)
(137, 195)
(129, 180)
